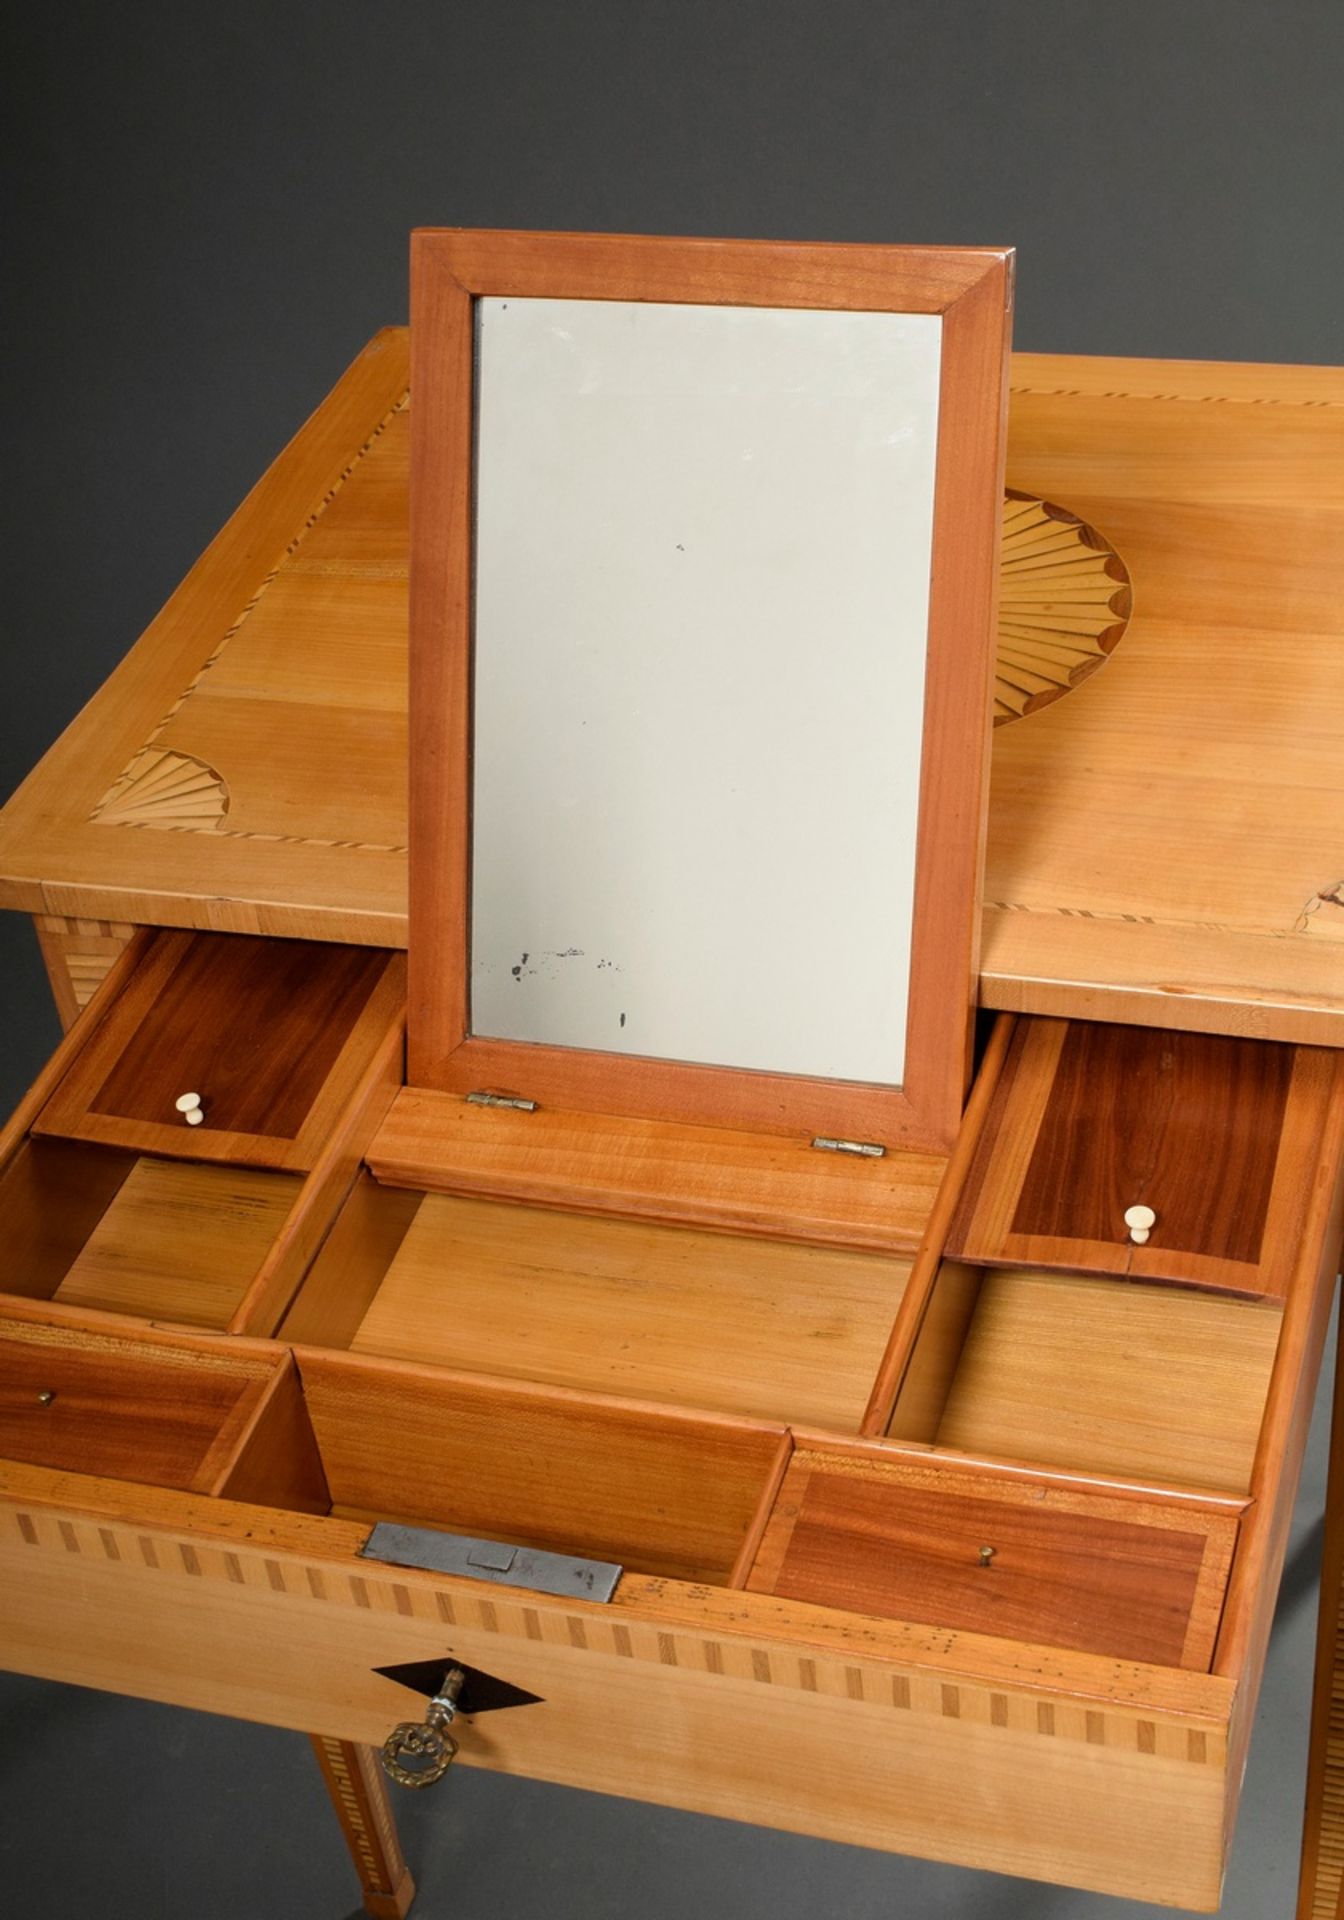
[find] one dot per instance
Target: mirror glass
(703, 542)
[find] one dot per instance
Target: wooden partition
(652, 1488)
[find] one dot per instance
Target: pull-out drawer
(1059, 1564)
(1008, 1608)
(113, 1201)
(963, 1742)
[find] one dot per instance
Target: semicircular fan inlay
(171, 791)
(1064, 601)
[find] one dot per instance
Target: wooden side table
(1166, 837)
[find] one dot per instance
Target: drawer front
(1218, 1138)
(1034, 1561)
(811, 1728)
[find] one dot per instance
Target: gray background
(206, 216)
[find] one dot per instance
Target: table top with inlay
(1166, 837)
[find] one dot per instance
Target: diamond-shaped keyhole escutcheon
(479, 1693)
(416, 1754)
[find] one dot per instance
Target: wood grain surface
(1066, 1569)
(53, 1193)
(658, 1170)
(1120, 1379)
(1218, 484)
(274, 1036)
(1104, 1773)
(659, 1489)
(1218, 1135)
(151, 1410)
(750, 1326)
(180, 1242)
(1164, 843)
(279, 664)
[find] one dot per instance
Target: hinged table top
(1166, 841)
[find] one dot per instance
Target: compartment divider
(924, 1274)
(746, 1557)
(317, 1205)
(272, 1458)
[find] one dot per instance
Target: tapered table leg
(359, 1794)
(1321, 1890)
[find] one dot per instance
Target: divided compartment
(128, 1233)
(111, 1202)
(686, 1317)
(1126, 1380)
(657, 1490)
(155, 1409)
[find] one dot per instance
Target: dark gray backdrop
(206, 217)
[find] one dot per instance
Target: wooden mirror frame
(972, 290)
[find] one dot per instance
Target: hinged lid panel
(703, 545)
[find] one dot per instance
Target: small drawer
(1216, 1137)
(270, 1035)
(1023, 1559)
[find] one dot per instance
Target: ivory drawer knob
(1140, 1221)
(189, 1106)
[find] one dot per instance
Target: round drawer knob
(1140, 1221)
(189, 1106)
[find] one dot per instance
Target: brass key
(426, 1740)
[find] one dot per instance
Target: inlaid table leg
(359, 1794)
(1321, 1890)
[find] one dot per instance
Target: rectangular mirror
(702, 542)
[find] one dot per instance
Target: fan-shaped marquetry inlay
(1064, 601)
(171, 791)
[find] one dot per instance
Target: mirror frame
(972, 290)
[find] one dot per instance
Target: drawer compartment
(271, 1035)
(1128, 1380)
(130, 1234)
(1025, 1559)
(656, 1490)
(1022, 1759)
(749, 1326)
(146, 1408)
(1216, 1136)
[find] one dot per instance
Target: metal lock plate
(493, 1560)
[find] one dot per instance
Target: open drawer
(796, 1454)
(112, 1202)
(793, 1697)
(270, 1037)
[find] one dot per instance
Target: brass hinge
(867, 1149)
(501, 1100)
